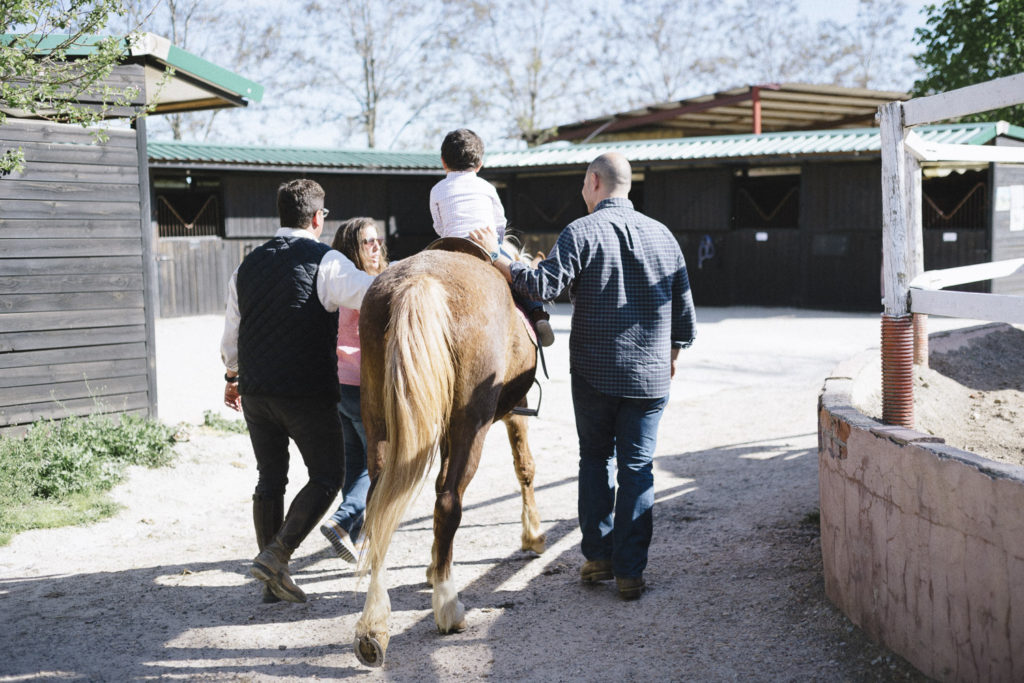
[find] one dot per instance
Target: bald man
(632, 313)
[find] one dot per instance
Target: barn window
(767, 198)
(954, 200)
(188, 206)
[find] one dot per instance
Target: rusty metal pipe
(898, 370)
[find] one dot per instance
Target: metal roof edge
(830, 143)
(213, 74)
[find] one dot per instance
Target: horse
(450, 356)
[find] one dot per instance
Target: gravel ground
(735, 588)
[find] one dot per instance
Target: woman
(357, 239)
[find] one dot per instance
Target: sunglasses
(371, 240)
(325, 212)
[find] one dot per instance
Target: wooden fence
(76, 332)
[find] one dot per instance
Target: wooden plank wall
(73, 333)
(194, 273)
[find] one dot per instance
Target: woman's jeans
(616, 431)
(349, 515)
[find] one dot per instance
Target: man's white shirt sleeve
(338, 283)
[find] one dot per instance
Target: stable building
(790, 218)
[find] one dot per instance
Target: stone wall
(923, 543)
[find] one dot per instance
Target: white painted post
(902, 259)
(896, 253)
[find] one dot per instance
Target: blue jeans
(349, 515)
(616, 431)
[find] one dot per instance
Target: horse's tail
(419, 376)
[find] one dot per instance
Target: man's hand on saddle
(485, 237)
(232, 399)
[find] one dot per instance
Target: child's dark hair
(462, 150)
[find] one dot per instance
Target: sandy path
(162, 590)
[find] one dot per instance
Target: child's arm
(499, 215)
(435, 212)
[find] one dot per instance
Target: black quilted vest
(287, 341)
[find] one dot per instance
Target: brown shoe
(271, 567)
(630, 588)
(596, 570)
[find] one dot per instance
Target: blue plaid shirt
(630, 293)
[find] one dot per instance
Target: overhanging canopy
(194, 84)
(749, 109)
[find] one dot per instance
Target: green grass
(59, 472)
(221, 424)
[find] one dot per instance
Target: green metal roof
(157, 53)
(768, 145)
(203, 154)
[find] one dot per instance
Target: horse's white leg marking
(377, 609)
(449, 613)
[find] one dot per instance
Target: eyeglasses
(371, 240)
(325, 212)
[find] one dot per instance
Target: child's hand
(485, 237)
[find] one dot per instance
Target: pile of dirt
(972, 393)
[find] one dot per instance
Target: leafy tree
(971, 41)
(51, 61)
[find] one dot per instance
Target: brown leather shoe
(272, 570)
(630, 588)
(596, 570)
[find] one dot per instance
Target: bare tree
(531, 62)
(873, 50)
(377, 66)
(666, 49)
(229, 35)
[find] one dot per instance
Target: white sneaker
(340, 541)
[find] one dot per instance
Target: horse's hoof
(537, 545)
(370, 651)
(457, 628)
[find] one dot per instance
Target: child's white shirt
(463, 202)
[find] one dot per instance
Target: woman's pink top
(348, 346)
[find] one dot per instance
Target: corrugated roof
(755, 109)
(768, 145)
(178, 152)
(773, 145)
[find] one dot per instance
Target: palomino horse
(449, 356)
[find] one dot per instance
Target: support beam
(995, 94)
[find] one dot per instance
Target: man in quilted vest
(279, 349)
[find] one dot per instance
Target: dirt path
(735, 591)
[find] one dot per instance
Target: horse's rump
(436, 330)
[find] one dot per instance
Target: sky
(259, 125)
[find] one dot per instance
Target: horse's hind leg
(516, 426)
(459, 459)
(372, 633)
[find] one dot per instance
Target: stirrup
(531, 412)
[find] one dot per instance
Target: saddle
(467, 246)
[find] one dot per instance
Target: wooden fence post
(902, 260)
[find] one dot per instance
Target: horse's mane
(514, 249)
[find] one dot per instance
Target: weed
(215, 421)
(58, 472)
